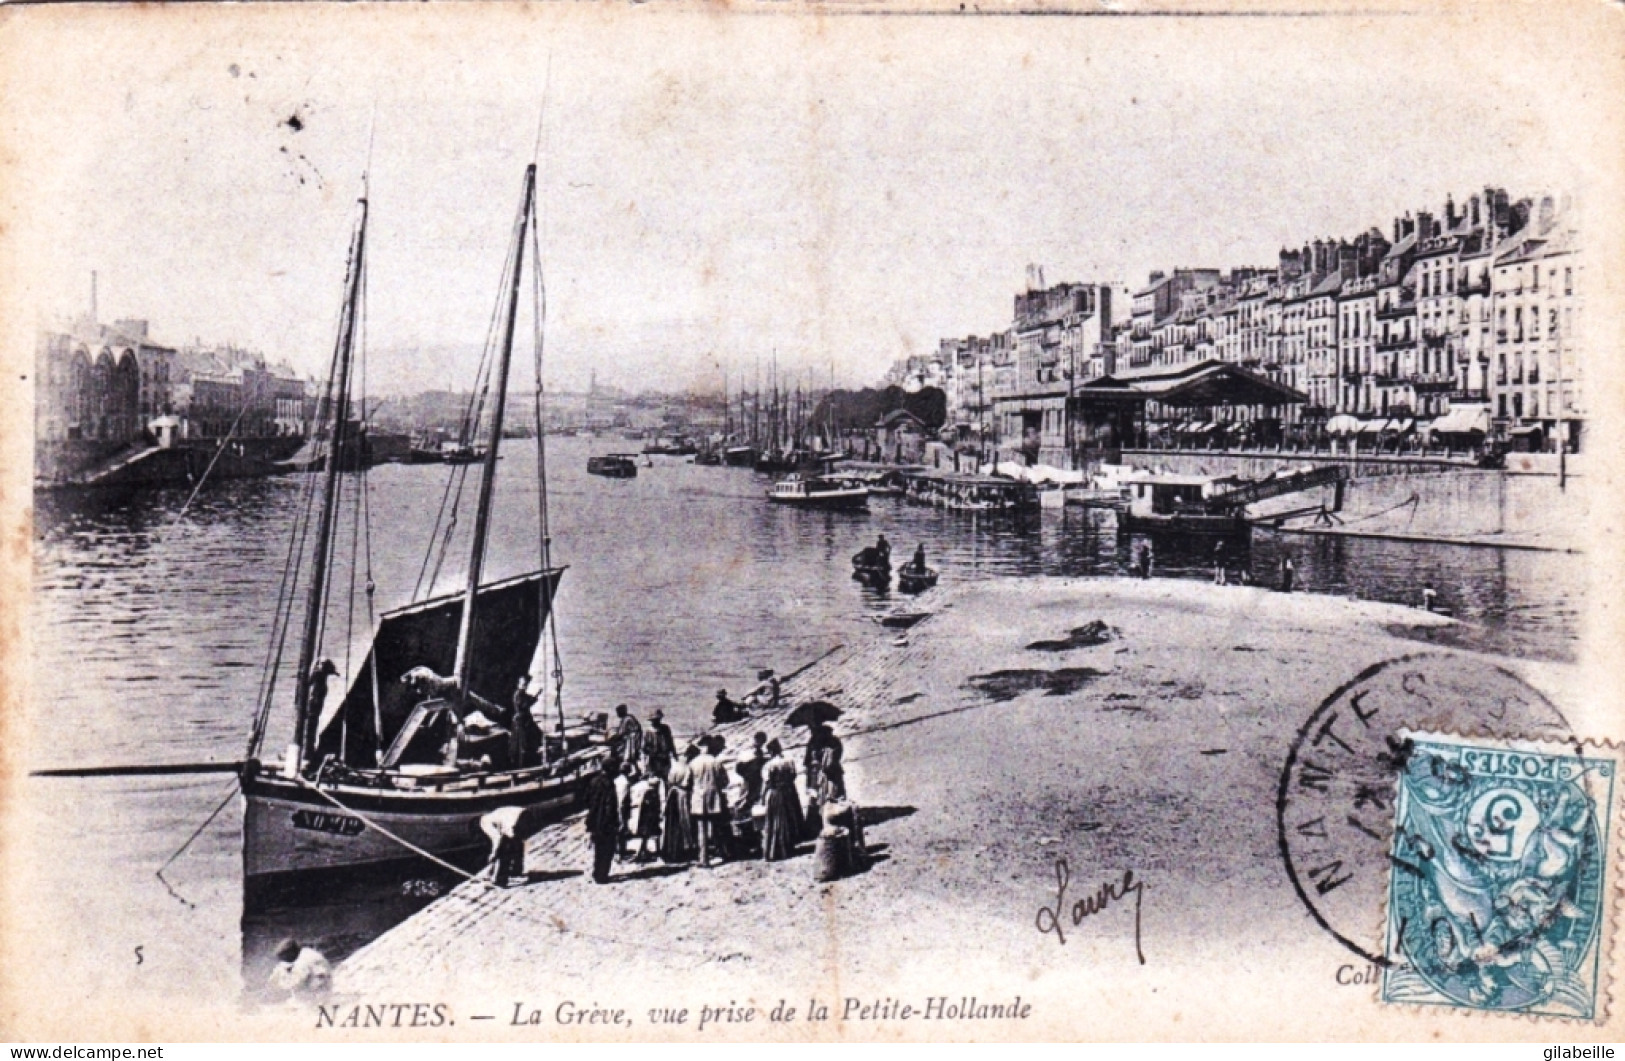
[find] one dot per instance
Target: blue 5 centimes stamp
(1501, 878)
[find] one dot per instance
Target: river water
(151, 631)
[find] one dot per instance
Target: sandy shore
(1158, 752)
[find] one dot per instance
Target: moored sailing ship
(434, 730)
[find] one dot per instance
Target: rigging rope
(1414, 501)
(434, 535)
(366, 526)
(291, 570)
(440, 540)
(550, 629)
(220, 449)
(461, 478)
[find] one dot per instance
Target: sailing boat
(397, 772)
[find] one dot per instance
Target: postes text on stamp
(1500, 878)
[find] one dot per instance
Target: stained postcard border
(1594, 22)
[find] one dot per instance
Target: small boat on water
(872, 566)
(1217, 504)
(970, 493)
(614, 466)
(672, 447)
(739, 456)
(445, 453)
(452, 453)
(818, 491)
(912, 579)
(1172, 502)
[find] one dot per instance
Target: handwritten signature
(1050, 917)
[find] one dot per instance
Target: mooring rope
(182, 849)
(385, 832)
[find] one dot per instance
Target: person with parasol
(826, 777)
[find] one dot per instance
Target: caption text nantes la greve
(703, 1017)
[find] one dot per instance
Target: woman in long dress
(646, 811)
(677, 836)
(782, 826)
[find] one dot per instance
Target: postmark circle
(1335, 798)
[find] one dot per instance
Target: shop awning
(1463, 420)
(1343, 424)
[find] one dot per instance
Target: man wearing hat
(710, 800)
(524, 735)
(317, 699)
(627, 740)
(659, 745)
(726, 710)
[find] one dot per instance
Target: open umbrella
(813, 712)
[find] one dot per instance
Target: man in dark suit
(604, 818)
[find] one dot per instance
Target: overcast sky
(843, 190)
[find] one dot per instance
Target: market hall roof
(1204, 383)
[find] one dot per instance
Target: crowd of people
(649, 801)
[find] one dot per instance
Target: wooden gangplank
(1264, 489)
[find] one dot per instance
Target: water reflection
(348, 913)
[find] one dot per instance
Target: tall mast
(488, 476)
(305, 722)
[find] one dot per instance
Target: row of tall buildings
(110, 383)
(1476, 307)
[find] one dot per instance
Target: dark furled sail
(507, 626)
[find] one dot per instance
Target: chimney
(1450, 219)
(1519, 214)
(1424, 226)
(1548, 213)
(1472, 213)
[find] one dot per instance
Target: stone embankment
(1417, 500)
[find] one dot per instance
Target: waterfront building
(1444, 316)
(1474, 342)
(1320, 353)
(971, 385)
(100, 383)
(1536, 388)
(1054, 337)
(1396, 325)
(1356, 344)
(233, 391)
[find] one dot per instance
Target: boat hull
(911, 581)
(1183, 523)
(292, 832)
(834, 499)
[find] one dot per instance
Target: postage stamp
(1500, 885)
(1335, 809)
